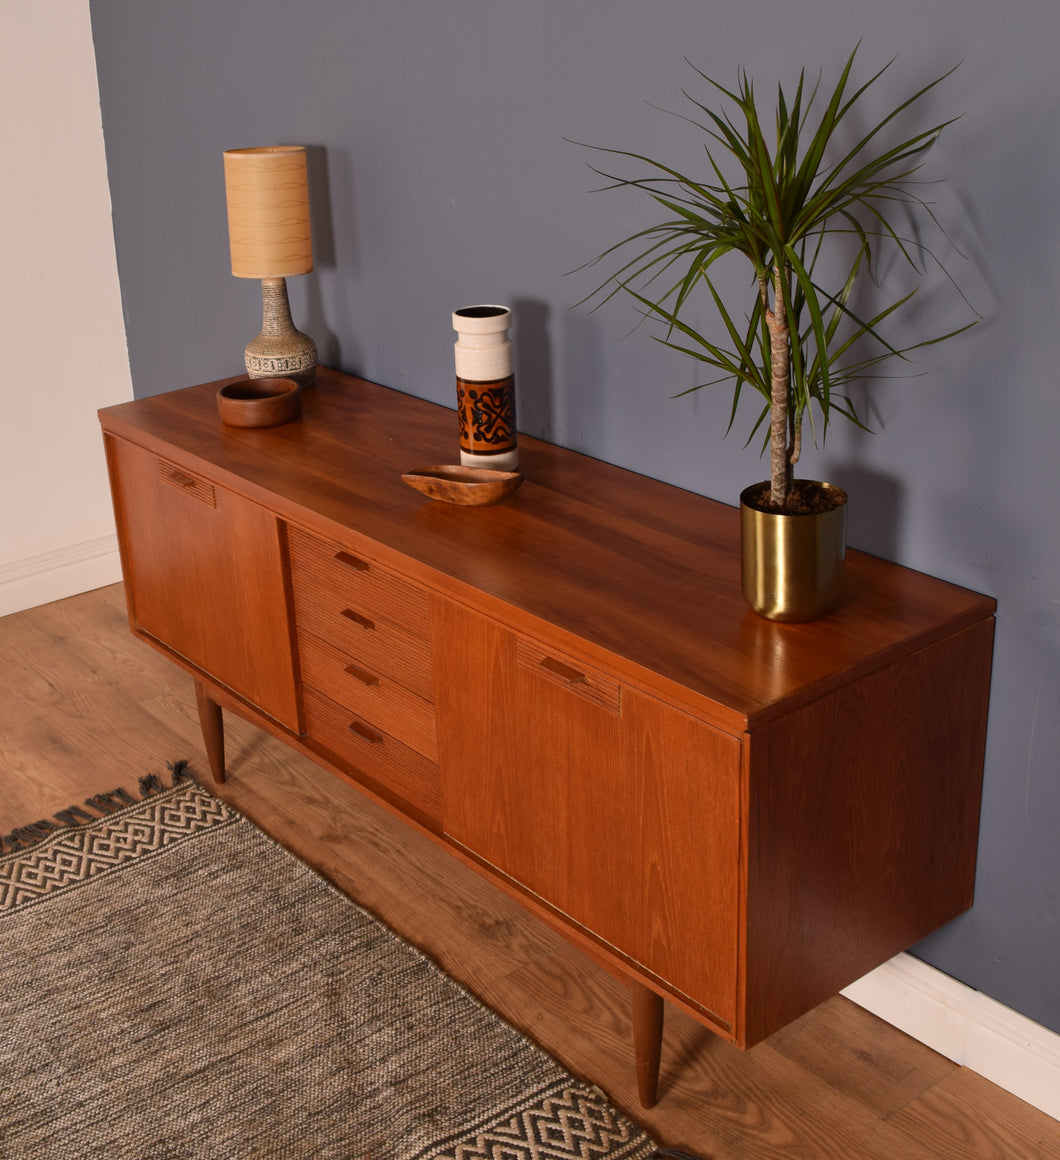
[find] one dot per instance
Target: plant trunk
(777, 321)
(795, 446)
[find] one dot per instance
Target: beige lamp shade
(268, 211)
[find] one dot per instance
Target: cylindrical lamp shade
(268, 211)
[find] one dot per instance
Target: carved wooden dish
(473, 486)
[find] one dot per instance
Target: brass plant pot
(792, 564)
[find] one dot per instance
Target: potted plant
(810, 204)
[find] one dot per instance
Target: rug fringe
(671, 1154)
(26, 837)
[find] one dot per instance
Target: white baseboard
(1017, 1054)
(56, 575)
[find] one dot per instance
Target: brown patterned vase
(485, 388)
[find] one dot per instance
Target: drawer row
(364, 653)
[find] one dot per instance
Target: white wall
(61, 324)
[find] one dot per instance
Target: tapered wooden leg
(213, 730)
(648, 1011)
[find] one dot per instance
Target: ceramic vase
(485, 388)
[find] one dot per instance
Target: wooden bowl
(259, 402)
(472, 486)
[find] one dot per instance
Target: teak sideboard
(567, 691)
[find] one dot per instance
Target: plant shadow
(874, 510)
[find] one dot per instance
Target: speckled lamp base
(280, 351)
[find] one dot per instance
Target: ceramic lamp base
(280, 350)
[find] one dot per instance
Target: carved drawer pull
(367, 734)
(595, 686)
(564, 671)
(357, 618)
(352, 561)
(190, 485)
(365, 677)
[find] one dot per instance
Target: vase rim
(481, 311)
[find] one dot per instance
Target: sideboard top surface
(638, 568)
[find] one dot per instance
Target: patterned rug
(176, 986)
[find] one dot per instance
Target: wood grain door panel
(683, 835)
(204, 576)
(626, 821)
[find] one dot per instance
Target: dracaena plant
(793, 203)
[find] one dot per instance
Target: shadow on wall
(874, 514)
(325, 263)
(534, 384)
(567, 408)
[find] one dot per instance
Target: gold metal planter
(792, 565)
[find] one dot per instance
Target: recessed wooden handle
(190, 485)
(357, 618)
(352, 561)
(565, 671)
(365, 677)
(367, 734)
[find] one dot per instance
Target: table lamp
(267, 191)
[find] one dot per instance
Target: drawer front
(399, 772)
(376, 643)
(320, 571)
(369, 695)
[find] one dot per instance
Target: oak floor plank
(862, 1056)
(71, 721)
(85, 707)
(962, 1118)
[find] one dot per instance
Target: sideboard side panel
(863, 825)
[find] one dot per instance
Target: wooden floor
(85, 708)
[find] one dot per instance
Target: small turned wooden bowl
(471, 486)
(259, 402)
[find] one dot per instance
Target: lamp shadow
(329, 348)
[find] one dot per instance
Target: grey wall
(441, 177)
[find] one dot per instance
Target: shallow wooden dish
(259, 402)
(473, 486)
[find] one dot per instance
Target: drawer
(368, 694)
(322, 571)
(376, 643)
(400, 773)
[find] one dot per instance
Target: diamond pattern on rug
(71, 857)
(175, 984)
(566, 1124)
